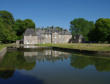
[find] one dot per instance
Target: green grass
(4, 45)
(81, 46)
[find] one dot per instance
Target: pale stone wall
(55, 38)
(61, 38)
(46, 38)
(67, 38)
(30, 40)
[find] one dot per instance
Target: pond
(47, 66)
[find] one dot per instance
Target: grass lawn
(81, 46)
(4, 45)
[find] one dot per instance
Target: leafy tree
(29, 23)
(19, 28)
(11, 30)
(101, 33)
(7, 17)
(21, 25)
(81, 26)
(7, 34)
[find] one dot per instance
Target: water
(44, 66)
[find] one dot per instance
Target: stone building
(42, 36)
(78, 38)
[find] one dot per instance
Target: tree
(81, 26)
(21, 25)
(101, 33)
(29, 23)
(19, 28)
(7, 17)
(11, 30)
(7, 33)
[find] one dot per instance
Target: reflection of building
(32, 36)
(45, 55)
(30, 46)
(2, 53)
(30, 54)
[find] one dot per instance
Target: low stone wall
(3, 52)
(100, 53)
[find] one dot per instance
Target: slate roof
(38, 32)
(49, 31)
(29, 32)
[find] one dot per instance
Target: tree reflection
(27, 60)
(12, 61)
(81, 62)
(5, 74)
(16, 60)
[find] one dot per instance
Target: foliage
(81, 26)
(101, 33)
(7, 35)
(11, 30)
(21, 25)
(7, 17)
(29, 23)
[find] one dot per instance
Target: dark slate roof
(38, 32)
(49, 31)
(29, 32)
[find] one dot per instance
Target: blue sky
(56, 12)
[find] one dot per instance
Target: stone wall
(30, 39)
(47, 38)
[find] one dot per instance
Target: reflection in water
(82, 62)
(15, 60)
(43, 55)
(12, 61)
(27, 60)
(29, 46)
(5, 74)
(47, 66)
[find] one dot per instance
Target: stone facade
(78, 38)
(42, 36)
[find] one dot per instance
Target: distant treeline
(98, 32)
(12, 30)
